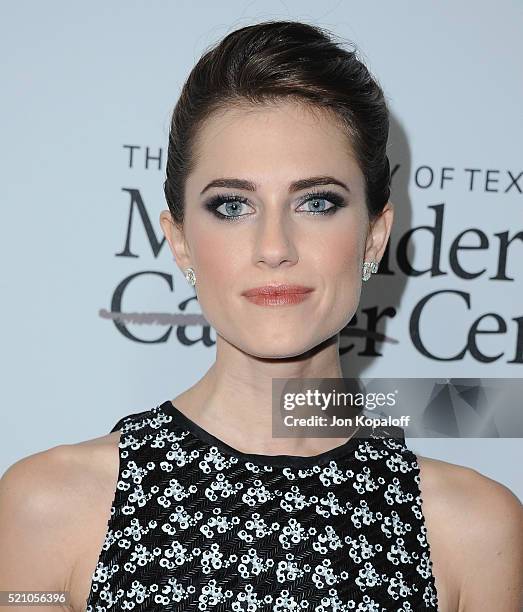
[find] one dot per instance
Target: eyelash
(213, 203)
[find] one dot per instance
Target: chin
(275, 355)
(278, 347)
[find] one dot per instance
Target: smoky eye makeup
(241, 203)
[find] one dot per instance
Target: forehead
(277, 143)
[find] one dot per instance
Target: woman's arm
(34, 551)
(490, 547)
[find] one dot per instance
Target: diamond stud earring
(369, 267)
(190, 275)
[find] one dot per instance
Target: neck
(233, 400)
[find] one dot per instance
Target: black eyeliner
(212, 204)
(334, 198)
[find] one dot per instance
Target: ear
(379, 232)
(175, 236)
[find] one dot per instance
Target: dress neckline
(342, 450)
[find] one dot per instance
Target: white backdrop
(86, 84)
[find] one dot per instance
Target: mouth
(278, 295)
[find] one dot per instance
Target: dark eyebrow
(306, 183)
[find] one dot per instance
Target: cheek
(342, 271)
(217, 257)
(340, 255)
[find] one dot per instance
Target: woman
(277, 175)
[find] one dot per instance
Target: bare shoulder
(51, 480)
(47, 500)
(475, 527)
(467, 489)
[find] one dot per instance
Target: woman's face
(271, 235)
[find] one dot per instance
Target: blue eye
(322, 210)
(232, 207)
(232, 204)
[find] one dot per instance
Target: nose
(274, 242)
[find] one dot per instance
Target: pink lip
(277, 290)
(278, 295)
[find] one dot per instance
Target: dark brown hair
(271, 61)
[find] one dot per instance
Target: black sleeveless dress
(197, 525)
